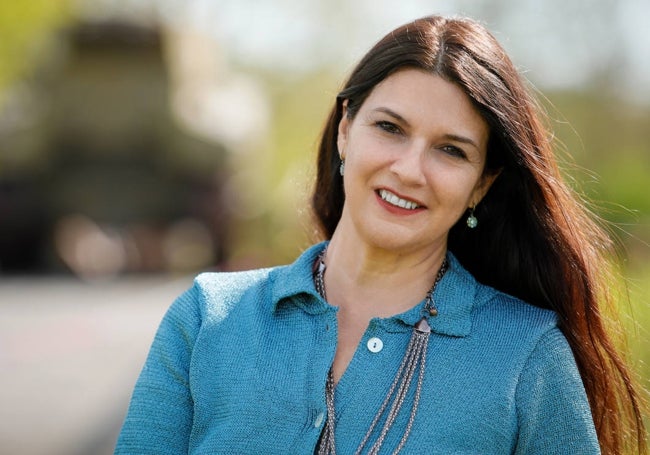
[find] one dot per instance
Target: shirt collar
(296, 280)
(455, 296)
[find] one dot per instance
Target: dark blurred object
(95, 177)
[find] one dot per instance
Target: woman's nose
(408, 165)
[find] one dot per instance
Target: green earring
(472, 221)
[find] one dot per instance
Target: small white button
(375, 344)
(319, 420)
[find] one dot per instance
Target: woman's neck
(375, 282)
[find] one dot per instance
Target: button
(319, 420)
(375, 345)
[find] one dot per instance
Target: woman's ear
(344, 126)
(483, 186)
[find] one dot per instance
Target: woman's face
(414, 157)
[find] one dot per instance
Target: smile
(397, 201)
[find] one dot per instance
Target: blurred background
(142, 141)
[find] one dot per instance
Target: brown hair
(535, 240)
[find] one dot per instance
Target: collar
(295, 283)
(455, 296)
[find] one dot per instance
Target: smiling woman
(415, 159)
(412, 327)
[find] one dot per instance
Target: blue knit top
(240, 361)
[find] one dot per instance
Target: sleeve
(159, 418)
(552, 407)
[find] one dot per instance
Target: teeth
(394, 200)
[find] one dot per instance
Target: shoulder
(520, 334)
(230, 284)
(490, 313)
(512, 313)
(211, 298)
(514, 327)
(217, 293)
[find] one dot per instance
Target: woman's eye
(388, 127)
(453, 151)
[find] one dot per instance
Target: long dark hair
(535, 240)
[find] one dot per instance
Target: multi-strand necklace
(413, 364)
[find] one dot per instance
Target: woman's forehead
(424, 99)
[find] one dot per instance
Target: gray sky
(557, 43)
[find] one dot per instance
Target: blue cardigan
(239, 364)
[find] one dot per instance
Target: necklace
(414, 360)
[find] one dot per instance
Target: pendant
(423, 326)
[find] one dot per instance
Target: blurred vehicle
(96, 177)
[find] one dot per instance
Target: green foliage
(637, 326)
(287, 165)
(606, 153)
(24, 26)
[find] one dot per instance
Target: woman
(455, 307)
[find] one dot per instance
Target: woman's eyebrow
(392, 113)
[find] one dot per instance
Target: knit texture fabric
(240, 361)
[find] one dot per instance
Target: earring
(472, 221)
(342, 167)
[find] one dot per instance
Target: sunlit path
(70, 353)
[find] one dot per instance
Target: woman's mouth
(397, 201)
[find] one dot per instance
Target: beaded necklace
(414, 360)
